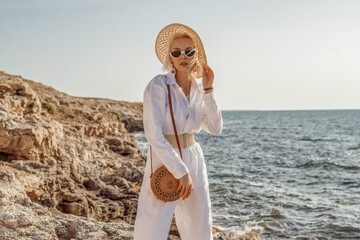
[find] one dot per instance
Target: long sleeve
(153, 118)
(211, 121)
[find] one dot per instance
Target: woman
(180, 50)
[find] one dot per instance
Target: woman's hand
(208, 77)
(185, 185)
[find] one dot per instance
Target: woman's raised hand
(208, 77)
(186, 186)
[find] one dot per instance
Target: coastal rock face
(21, 218)
(69, 166)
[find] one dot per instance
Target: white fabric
(192, 215)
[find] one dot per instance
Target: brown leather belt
(186, 140)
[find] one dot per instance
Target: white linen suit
(192, 215)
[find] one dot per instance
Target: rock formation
(69, 166)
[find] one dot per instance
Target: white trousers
(192, 215)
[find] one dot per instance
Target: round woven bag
(164, 185)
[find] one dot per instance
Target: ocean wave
(351, 184)
(224, 175)
(236, 231)
(274, 214)
(221, 190)
(317, 139)
(326, 163)
(345, 231)
(354, 147)
(247, 182)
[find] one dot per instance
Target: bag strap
(173, 122)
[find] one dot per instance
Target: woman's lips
(183, 64)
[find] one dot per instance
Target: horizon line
(263, 110)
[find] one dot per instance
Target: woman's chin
(183, 69)
(186, 68)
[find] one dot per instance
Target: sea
(284, 174)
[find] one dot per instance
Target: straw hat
(166, 34)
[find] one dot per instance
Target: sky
(265, 54)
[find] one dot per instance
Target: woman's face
(183, 63)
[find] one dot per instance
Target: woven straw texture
(164, 185)
(166, 34)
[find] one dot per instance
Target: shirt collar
(172, 80)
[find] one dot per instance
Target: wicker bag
(163, 183)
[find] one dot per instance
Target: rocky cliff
(69, 166)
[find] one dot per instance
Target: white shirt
(201, 113)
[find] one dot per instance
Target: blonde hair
(167, 66)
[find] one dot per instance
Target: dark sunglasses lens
(176, 54)
(190, 53)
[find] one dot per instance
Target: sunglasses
(187, 53)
